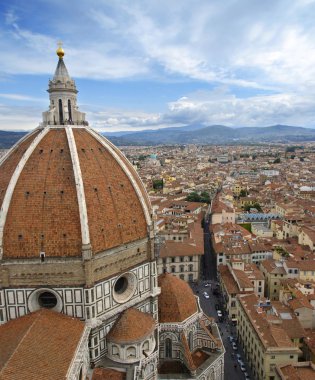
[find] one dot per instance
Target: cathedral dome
(176, 301)
(65, 189)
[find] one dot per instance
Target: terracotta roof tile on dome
(132, 326)
(9, 162)
(31, 346)
(109, 195)
(43, 211)
(44, 199)
(176, 301)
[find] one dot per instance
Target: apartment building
(273, 272)
(182, 259)
(239, 278)
(265, 337)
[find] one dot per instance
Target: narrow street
(232, 368)
(209, 269)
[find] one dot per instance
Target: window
(190, 258)
(69, 110)
(115, 351)
(173, 269)
(173, 260)
(47, 300)
(121, 285)
(60, 112)
(182, 268)
(131, 352)
(168, 348)
(291, 356)
(146, 346)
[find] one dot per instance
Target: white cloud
(209, 41)
(21, 97)
(216, 107)
(244, 45)
(19, 118)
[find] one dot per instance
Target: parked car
(246, 376)
(206, 295)
(219, 312)
(243, 367)
(206, 285)
(231, 339)
(234, 346)
(239, 358)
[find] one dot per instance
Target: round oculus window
(44, 298)
(124, 287)
(47, 300)
(121, 285)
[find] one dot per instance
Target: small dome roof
(132, 326)
(176, 301)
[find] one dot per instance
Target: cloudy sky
(152, 64)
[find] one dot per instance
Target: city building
(239, 278)
(269, 337)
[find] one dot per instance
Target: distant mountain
(7, 139)
(217, 134)
(183, 128)
(195, 134)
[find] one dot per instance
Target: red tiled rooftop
(176, 301)
(131, 326)
(32, 345)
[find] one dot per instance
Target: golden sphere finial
(60, 52)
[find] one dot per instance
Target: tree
(243, 193)
(256, 205)
(195, 197)
(277, 161)
(157, 184)
(290, 149)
